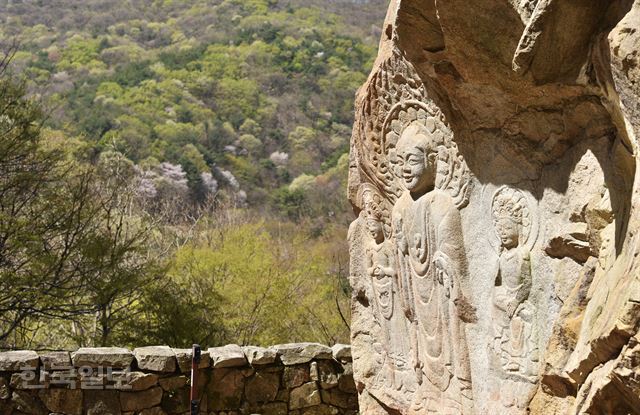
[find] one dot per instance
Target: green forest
(174, 172)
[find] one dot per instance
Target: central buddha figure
(432, 272)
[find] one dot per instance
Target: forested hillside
(207, 143)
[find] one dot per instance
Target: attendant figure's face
(415, 162)
(374, 225)
(508, 231)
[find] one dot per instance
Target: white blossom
(279, 158)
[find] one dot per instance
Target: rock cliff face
(495, 258)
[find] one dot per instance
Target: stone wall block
(225, 390)
(115, 357)
(68, 378)
(273, 408)
(296, 353)
(101, 402)
(259, 355)
(176, 402)
(305, 396)
(136, 401)
(156, 410)
(27, 402)
(262, 387)
(322, 409)
(283, 395)
(346, 383)
(295, 376)
(173, 382)
(227, 356)
(15, 360)
(139, 381)
(184, 359)
(341, 352)
(55, 360)
(156, 358)
(5, 391)
(327, 374)
(64, 401)
(336, 397)
(247, 372)
(26, 380)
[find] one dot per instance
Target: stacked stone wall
(300, 378)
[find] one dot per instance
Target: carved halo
(452, 172)
(395, 81)
(518, 205)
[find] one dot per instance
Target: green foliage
(81, 53)
(290, 202)
(132, 73)
(177, 313)
(164, 117)
(156, 78)
(237, 100)
(69, 247)
(268, 290)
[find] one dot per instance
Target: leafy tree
(66, 248)
(268, 291)
(290, 202)
(132, 73)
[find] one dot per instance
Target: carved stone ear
(431, 158)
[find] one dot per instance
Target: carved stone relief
(415, 262)
(491, 255)
(515, 340)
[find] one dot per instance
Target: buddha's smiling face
(412, 168)
(416, 160)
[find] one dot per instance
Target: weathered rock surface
(5, 392)
(114, 357)
(184, 357)
(495, 260)
(156, 358)
(18, 359)
(227, 356)
(102, 403)
(341, 352)
(64, 401)
(295, 376)
(136, 401)
(324, 373)
(27, 402)
(305, 396)
(173, 383)
(225, 391)
(55, 360)
(262, 387)
(138, 381)
(259, 355)
(296, 353)
(156, 410)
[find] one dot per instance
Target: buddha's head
(416, 159)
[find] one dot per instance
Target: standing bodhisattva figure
(514, 336)
(432, 272)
